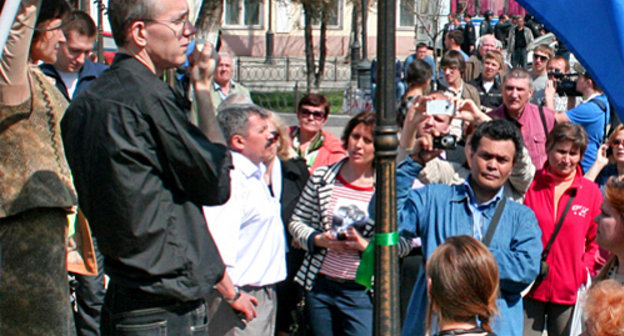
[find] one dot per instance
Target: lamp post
(386, 316)
(364, 29)
(269, 36)
(355, 58)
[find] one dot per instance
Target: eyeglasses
(274, 137)
(182, 23)
(617, 142)
(554, 70)
(318, 115)
(540, 57)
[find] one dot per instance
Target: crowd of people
(213, 217)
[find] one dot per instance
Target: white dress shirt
(248, 228)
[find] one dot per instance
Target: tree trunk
(506, 7)
(477, 7)
(318, 78)
(208, 20)
(309, 44)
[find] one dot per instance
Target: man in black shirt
(519, 40)
(142, 173)
(488, 82)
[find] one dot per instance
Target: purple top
(532, 129)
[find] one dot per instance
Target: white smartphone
(440, 106)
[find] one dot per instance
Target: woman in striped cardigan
(331, 224)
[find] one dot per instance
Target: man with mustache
(248, 228)
(534, 122)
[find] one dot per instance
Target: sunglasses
(318, 115)
(617, 142)
(275, 136)
(540, 57)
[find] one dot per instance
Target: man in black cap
(486, 26)
(470, 37)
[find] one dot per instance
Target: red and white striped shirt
(348, 205)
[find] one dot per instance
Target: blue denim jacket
(438, 211)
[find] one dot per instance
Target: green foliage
(284, 101)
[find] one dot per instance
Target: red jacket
(574, 248)
(330, 152)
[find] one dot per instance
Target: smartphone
(440, 106)
(609, 152)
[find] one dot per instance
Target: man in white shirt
(248, 229)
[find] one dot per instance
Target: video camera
(566, 84)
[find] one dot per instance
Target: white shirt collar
(246, 167)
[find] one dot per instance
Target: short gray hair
(234, 99)
(121, 13)
(518, 73)
(233, 119)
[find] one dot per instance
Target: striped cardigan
(311, 218)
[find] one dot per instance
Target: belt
(338, 280)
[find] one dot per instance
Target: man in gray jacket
(519, 39)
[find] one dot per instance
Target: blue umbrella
(594, 32)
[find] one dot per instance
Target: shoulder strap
(494, 223)
(558, 227)
(543, 117)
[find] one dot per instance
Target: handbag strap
(494, 223)
(558, 227)
(543, 118)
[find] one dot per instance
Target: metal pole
(100, 29)
(364, 29)
(269, 36)
(386, 303)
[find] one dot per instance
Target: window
(335, 16)
(406, 13)
(243, 12)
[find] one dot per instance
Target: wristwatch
(236, 296)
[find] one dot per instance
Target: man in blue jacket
(437, 212)
(73, 71)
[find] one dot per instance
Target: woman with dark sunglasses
(315, 145)
(36, 190)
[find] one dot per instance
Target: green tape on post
(387, 239)
(366, 270)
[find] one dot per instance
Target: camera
(346, 217)
(440, 106)
(566, 85)
(446, 142)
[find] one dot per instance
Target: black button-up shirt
(142, 173)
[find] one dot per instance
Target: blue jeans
(130, 312)
(339, 308)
